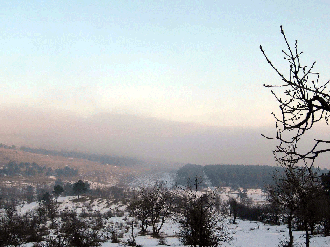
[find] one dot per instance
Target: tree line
(235, 176)
(28, 169)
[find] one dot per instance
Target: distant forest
(103, 159)
(32, 169)
(245, 176)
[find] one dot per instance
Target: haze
(174, 80)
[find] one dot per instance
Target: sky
(172, 63)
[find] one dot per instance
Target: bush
(17, 230)
(200, 223)
(77, 232)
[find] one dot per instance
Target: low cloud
(135, 136)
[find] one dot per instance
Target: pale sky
(192, 62)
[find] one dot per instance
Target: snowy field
(242, 234)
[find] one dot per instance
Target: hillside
(94, 171)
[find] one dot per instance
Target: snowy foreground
(244, 233)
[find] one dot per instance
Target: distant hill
(27, 165)
(19, 166)
(103, 159)
(245, 176)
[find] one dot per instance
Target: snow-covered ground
(242, 234)
(149, 179)
(257, 234)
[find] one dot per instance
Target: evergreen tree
(80, 187)
(58, 190)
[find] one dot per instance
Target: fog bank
(136, 136)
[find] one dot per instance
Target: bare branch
(302, 102)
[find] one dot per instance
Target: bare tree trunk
(290, 218)
(307, 234)
(132, 231)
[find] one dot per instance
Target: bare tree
(286, 194)
(152, 206)
(297, 191)
(303, 101)
(139, 208)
